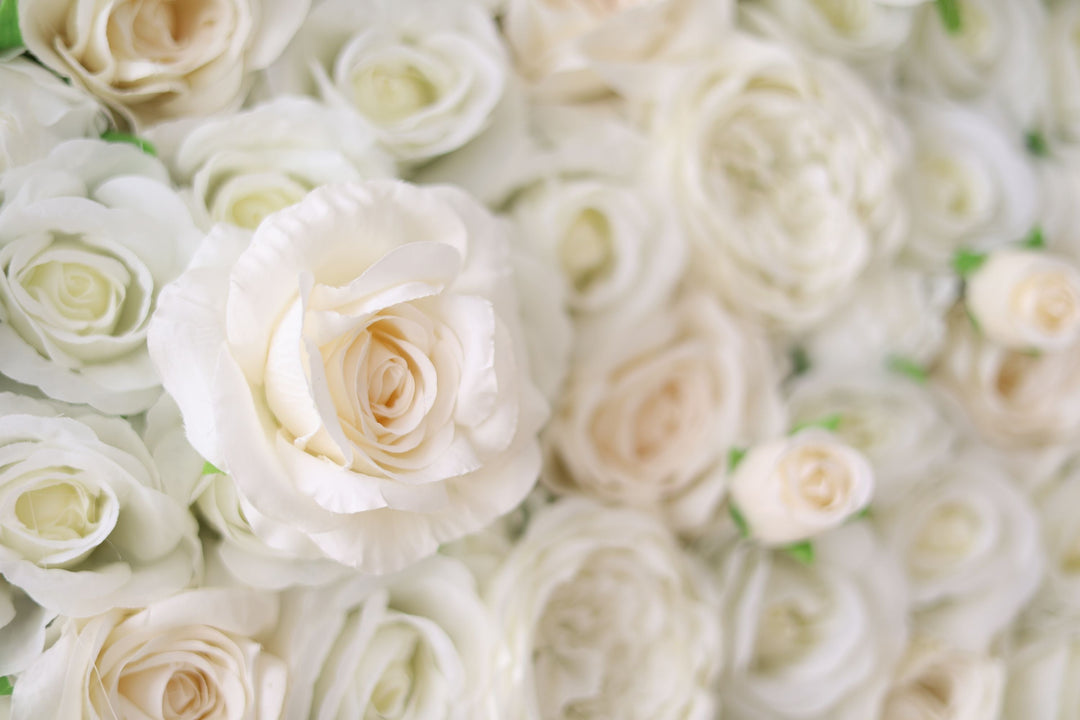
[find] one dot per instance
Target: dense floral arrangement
(539, 359)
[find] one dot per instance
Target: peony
(417, 646)
(243, 167)
(784, 170)
(794, 488)
(1026, 300)
(38, 111)
(604, 617)
(816, 641)
(423, 75)
(152, 61)
(969, 541)
(357, 366)
(88, 236)
(192, 656)
(651, 412)
(86, 523)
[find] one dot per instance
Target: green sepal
(209, 468)
(803, 552)
(829, 422)
(6, 687)
(906, 366)
(10, 37)
(735, 456)
(800, 361)
(740, 522)
(973, 320)
(1036, 144)
(145, 145)
(1034, 240)
(965, 262)
(950, 15)
(862, 514)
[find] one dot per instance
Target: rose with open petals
(358, 367)
(151, 60)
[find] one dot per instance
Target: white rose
(1018, 399)
(858, 30)
(245, 166)
(417, 646)
(1044, 672)
(1063, 68)
(936, 681)
(189, 657)
(88, 236)
(424, 75)
(650, 412)
(894, 311)
(785, 170)
(358, 367)
(797, 487)
(284, 558)
(22, 629)
(152, 61)
(1026, 299)
(37, 111)
(813, 641)
(619, 253)
(899, 426)
(994, 58)
(604, 616)
(560, 44)
(971, 183)
(85, 521)
(970, 544)
(1058, 600)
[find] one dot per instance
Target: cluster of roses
(539, 359)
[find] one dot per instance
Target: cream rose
(156, 60)
(604, 616)
(190, 657)
(650, 412)
(22, 629)
(1018, 399)
(993, 59)
(88, 236)
(37, 111)
(358, 367)
(243, 167)
(816, 641)
(936, 681)
(969, 541)
(972, 183)
(1044, 672)
(559, 45)
(1057, 602)
(85, 521)
(418, 646)
(784, 169)
(423, 75)
(1063, 67)
(797, 487)
(1026, 300)
(899, 426)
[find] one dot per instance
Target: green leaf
(1036, 144)
(740, 521)
(803, 552)
(829, 422)
(973, 320)
(1034, 239)
(864, 513)
(950, 15)
(800, 361)
(965, 262)
(5, 686)
(145, 145)
(10, 37)
(735, 456)
(209, 469)
(906, 366)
